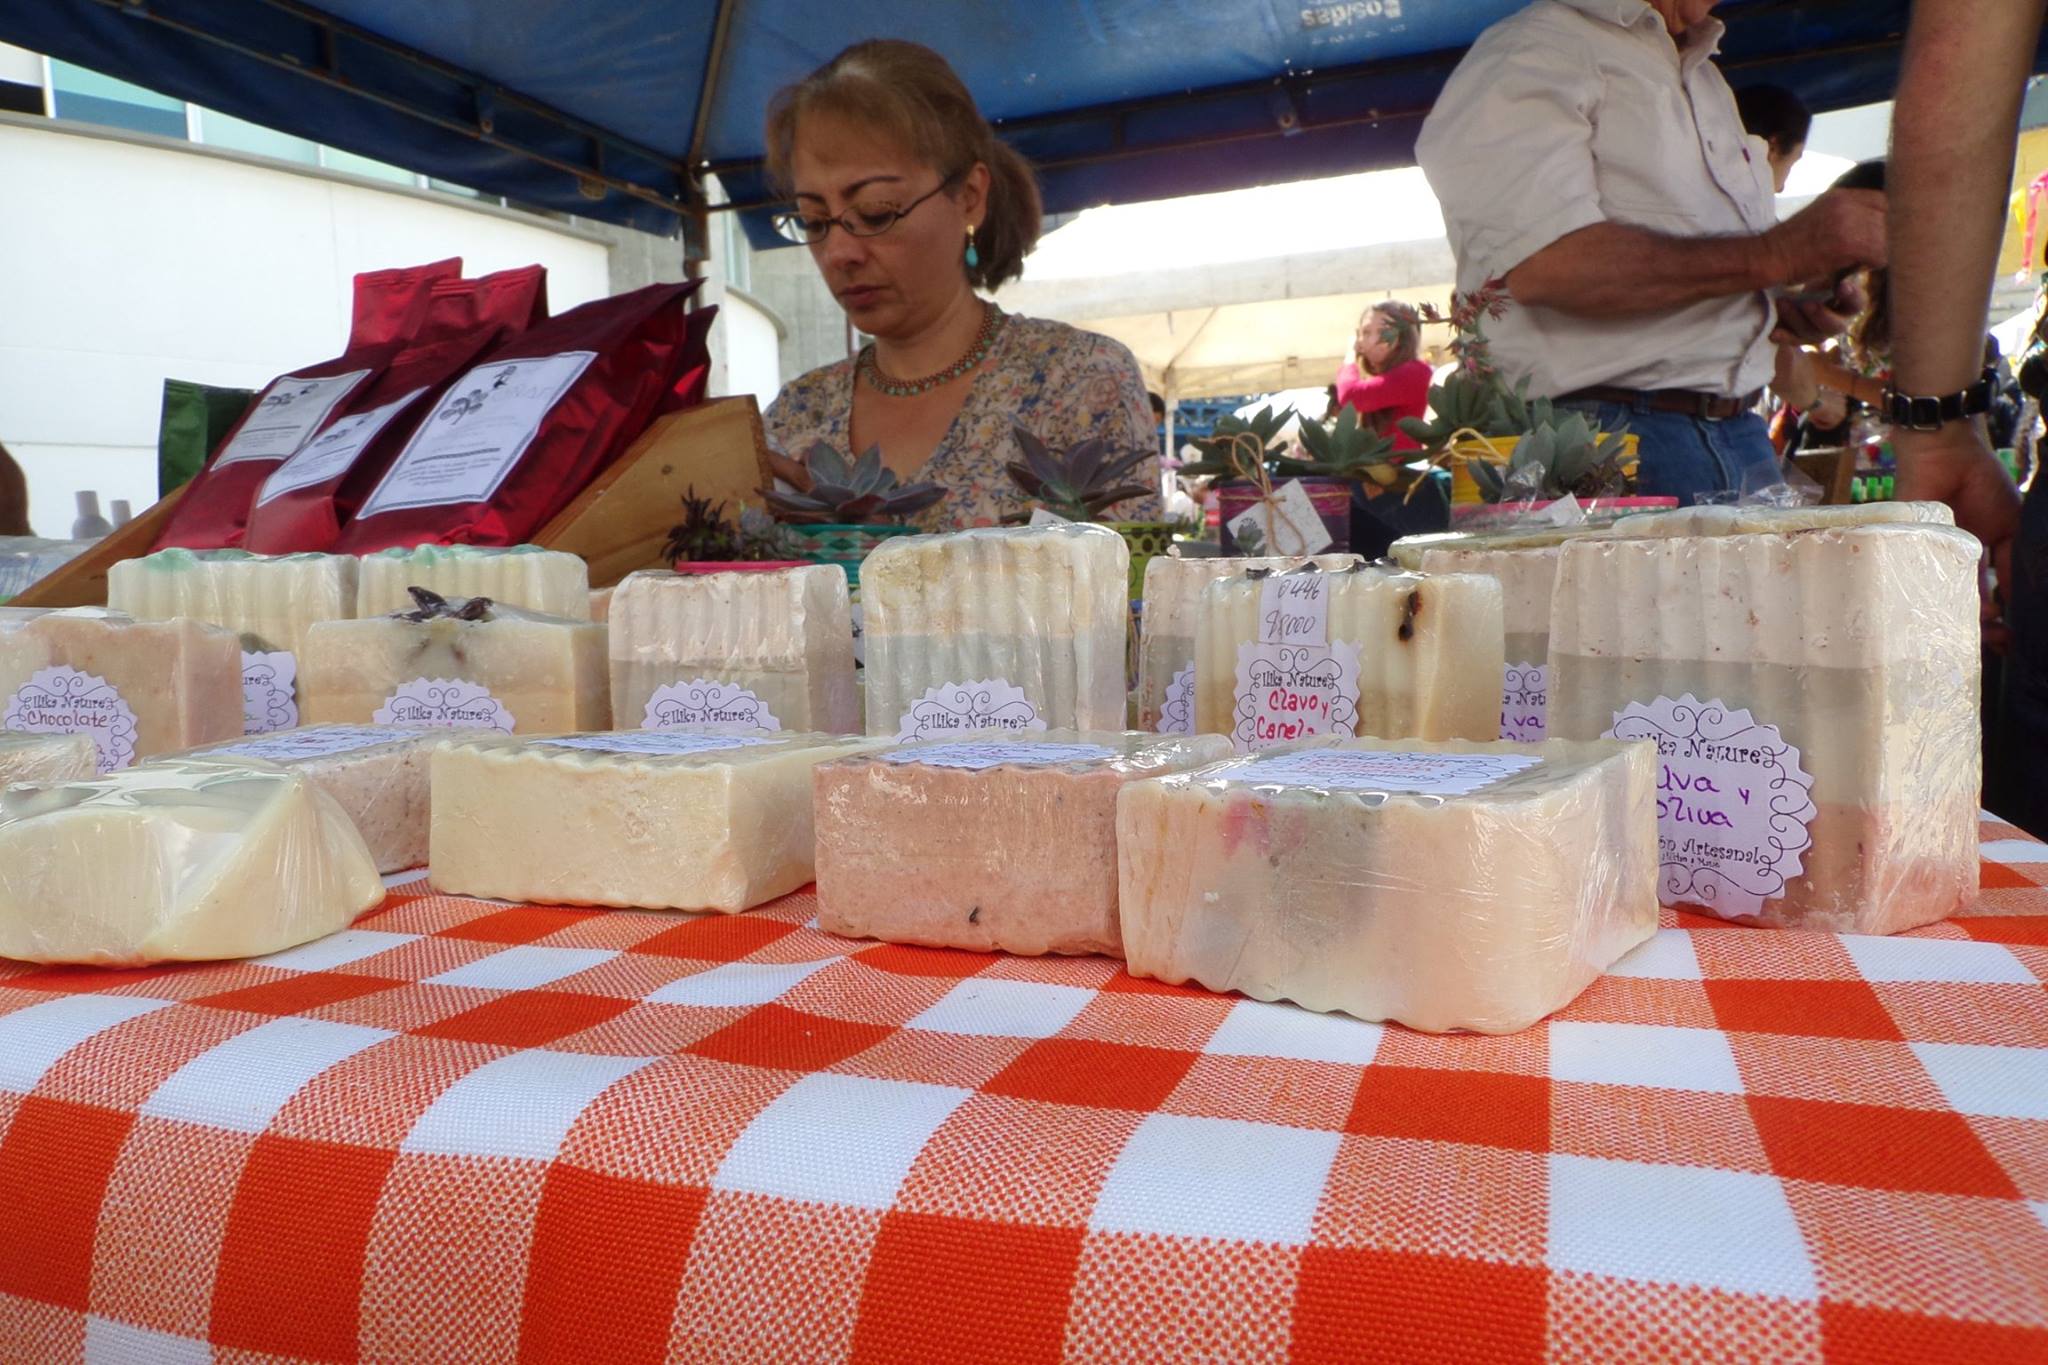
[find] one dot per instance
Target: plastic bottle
(90, 524)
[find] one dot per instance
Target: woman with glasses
(910, 206)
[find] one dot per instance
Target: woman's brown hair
(1408, 325)
(907, 92)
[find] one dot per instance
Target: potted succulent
(708, 541)
(1559, 456)
(850, 507)
(1240, 454)
(1083, 482)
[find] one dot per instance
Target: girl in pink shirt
(1384, 380)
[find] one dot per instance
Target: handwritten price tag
(1293, 682)
(1525, 703)
(1733, 803)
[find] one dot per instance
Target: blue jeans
(1683, 457)
(2016, 758)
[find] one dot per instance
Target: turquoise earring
(973, 256)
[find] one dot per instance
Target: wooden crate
(618, 524)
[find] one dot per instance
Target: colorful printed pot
(1147, 541)
(845, 546)
(1330, 497)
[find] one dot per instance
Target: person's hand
(1830, 409)
(1841, 230)
(792, 472)
(1955, 466)
(1811, 319)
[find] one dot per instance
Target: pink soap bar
(1003, 843)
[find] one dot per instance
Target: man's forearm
(1954, 130)
(1610, 270)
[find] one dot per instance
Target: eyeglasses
(862, 220)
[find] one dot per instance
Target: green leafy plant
(847, 493)
(1347, 449)
(1080, 483)
(1563, 456)
(707, 534)
(1239, 446)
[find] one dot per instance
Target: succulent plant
(1238, 445)
(1347, 449)
(707, 534)
(1564, 455)
(847, 493)
(1079, 484)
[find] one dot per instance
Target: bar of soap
(1447, 886)
(1364, 651)
(1408, 551)
(1173, 604)
(1021, 628)
(550, 582)
(1526, 578)
(648, 819)
(377, 774)
(1004, 843)
(138, 688)
(1714, 520)
(270, 601)
(177, 861)
(510, 670)
(1815, 699)
(771, 650)
(45, 758)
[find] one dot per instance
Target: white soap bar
(1010, 628)
(1815, 697)
(138, 688)
(515, 671)
(546, 581)
(997, 843)
(177, 862)
(1408, 551)
(377, 774)
(1734, 521)
(771, 650)
(1526, 578)
(1173, 604)
(1444, 885)
(45, 758)
(652, 819)
(1397, 655)
(270, 601)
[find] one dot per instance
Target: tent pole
(1166, 475)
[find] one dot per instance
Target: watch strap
(1920, 412)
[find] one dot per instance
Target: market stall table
(468, 1131)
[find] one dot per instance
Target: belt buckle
(1706, 407)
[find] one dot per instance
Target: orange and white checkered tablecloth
(461, 1131)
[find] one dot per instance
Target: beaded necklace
(871, 369)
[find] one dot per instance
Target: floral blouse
(1061, 384)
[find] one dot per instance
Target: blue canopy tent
(616, 109)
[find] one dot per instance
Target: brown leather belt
(1713, 407)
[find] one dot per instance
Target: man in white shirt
(1589, 153)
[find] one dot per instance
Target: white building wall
(753, 347)
(125, 260)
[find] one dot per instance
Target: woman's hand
(790, 471)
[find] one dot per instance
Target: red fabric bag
(518, 436)
(385, 300)
(305, 502)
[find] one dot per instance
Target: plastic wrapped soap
(770, 650)
(1006, 842)
(458, 665)
(652, 819)
(270, 601)
(1526, 577)
(138, 688)
(1021, 628)
(1814, 698)
(177, 861)
(1719, 520)
(1448, 886)
(45, 758)
(1408, 551)
(1363, 651)
(377, 774)
(1173, 604)
(551, 582)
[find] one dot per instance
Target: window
(93, 98)
(225, 130)
(337, 160)
(735, 252)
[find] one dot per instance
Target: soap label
(701, 702)
(64, 701)
(1293, 681)
(1733, 803)
(1287, 525)
(333, 452)
(958, 708)
(1041, 517)
(1177, 712)
(289, 411)
(658, 742)
(270, 691)
(1525, 703)
(1385, 770)
(979, 756)
(319, 742)
(474, 437)
(444, 704)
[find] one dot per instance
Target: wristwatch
(1919, 413)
